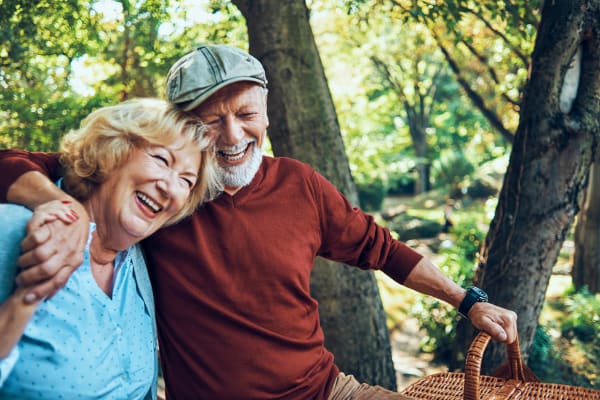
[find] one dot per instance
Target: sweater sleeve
(353, 237)
(14, 163)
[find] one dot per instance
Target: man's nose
(232, 131)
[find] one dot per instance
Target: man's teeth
(229, 156)
(148, 201)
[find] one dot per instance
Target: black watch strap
(474, 295)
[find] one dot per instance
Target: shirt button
(118, 330)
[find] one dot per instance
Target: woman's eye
(188, 182)
(161, 159)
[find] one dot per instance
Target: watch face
(480, 293)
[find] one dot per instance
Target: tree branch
(524, 58)
(477, 100)
(491, 71)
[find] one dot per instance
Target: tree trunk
(586, 262)
(304, 125)
(547, 174)
(419, 139)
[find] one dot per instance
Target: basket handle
(473, 364)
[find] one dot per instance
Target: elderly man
(235, 316)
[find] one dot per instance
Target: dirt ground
(410, 364)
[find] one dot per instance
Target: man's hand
(500, 323)
(52, 249)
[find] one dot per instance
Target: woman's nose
(167, 183)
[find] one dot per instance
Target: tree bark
(548, 169)
(586, 261)
(304, 125)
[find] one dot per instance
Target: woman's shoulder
(13, 216)
(13, 219)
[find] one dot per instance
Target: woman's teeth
(148, 201)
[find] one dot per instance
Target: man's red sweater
(235, 316)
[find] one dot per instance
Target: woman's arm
(14, 311)
(14, 316)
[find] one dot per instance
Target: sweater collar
(241, 194)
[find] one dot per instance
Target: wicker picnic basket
(520, 383)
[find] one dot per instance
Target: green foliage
(571, 355)
(36, 106)
(53, 77)
(40, 128)
(408, 86)
(371, 194)
(451, 168)
(583, 310)
(468, 238)
(546, 363)
(542, 354)
(409, 226)
(438, 320)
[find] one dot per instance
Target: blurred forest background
(429, 103)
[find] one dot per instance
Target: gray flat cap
(199, 74)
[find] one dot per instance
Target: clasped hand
(52, 248)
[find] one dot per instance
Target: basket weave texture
(471, 385)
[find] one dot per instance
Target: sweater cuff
(401, 262)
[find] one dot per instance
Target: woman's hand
(52, 211)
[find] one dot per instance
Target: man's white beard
(241, 175)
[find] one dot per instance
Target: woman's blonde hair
(109, 135)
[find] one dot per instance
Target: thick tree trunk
(548, 168)
(304, 125)
(586, 262)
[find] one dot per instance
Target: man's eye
(212, 121)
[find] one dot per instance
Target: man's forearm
(14, 163)
(426, 278)
(499, 322)
(34, 188)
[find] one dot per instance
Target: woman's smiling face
(145, 192)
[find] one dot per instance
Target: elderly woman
(135, 167)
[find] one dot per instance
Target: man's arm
(14, 163)
(500, 323)
(53, 250)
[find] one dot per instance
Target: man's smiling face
(236, 118)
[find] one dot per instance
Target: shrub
(451, 168)
(583, 318)
(371, 194)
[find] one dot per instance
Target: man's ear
(266, 109)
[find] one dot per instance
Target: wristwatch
(474, 295)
